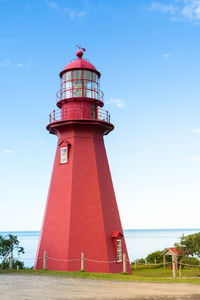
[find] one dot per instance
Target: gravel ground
(29, 287)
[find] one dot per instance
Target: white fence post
(82, 261)
(164, 261)
(135, 264)
(45, 260)
(124, 262)
(174, 267)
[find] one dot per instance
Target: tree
(154, 256)
(140, 260)
(8, 244)
(157, 256)
(189, 246)
(16, 264)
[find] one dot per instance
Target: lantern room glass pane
(68, 85)
(77, 74)
(87, 75)
(68, 94)
(68, 75)
(94, 86)
(86, 88)
(77, 88)
(94, 77)
(88, 85)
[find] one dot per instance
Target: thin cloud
(178, 10)
(191, 10)
(19, 65)
(70, 12)
(197, 130)
(195, 157)
(117, 102)
(166, 55)
(8, 151)
(5, 62)
(164, 8)
(36, 142)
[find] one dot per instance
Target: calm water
(140, 242)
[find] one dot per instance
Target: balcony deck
(56, 115)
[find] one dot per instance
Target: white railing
(56, 115)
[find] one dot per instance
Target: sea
(140, 242)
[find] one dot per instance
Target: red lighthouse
(81, 213)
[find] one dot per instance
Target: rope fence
(82, 259)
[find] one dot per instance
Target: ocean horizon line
(125, 229)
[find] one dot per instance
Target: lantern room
(79, 79)
(79, 96)
(79, 83)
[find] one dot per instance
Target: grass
(140, 274)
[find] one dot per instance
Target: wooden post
(155, 261)
(17, 267)
(175, 259)
(174, 266)
(82, 261)
(135, 264)
(145, 262)
(11, 260)
(45, 261)
(124, 263)
(164, 261)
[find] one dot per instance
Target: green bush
(140, 260)
(154, 256)
(191, 261)
(15, 264)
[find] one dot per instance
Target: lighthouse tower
(81, 214)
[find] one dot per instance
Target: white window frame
(63, 155)
(119, 250)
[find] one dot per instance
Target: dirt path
(29, 287)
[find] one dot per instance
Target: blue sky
(148, 54)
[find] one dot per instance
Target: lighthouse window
(94, 86)
(88, 88)
(63, 155)
(77, 74)
(94, 90)
(68, 76)
(119, 250)
(68, 85)
(87, 75)
(77, 88)
(94, 77)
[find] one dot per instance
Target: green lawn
(140, 274)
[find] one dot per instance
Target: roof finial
(79, 47)
(79, 53)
